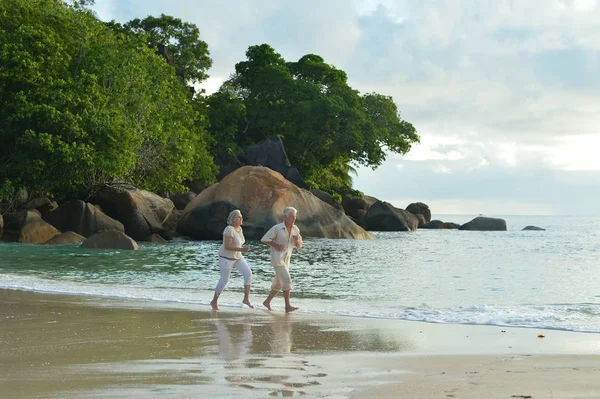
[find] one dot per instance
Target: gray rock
(141, 212)
(383, 216)
(82, 218)
(533, 228)
(438, 224)
(419, 208)
(110, 240)
(27, 227)
(66, 238)
(482, 223)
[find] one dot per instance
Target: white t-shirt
(238, 241)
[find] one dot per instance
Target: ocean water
(539, 279)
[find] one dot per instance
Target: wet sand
(59, 346)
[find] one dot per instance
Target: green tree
(182, 40)
(324, 123)
(82, 106)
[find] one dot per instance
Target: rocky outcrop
(533, 228)
(110, 240)
(482, 223)
(262, 194)
(383, 216)
(66, 238)
(27, 227)
(271, 154)
(82, 218)
(141, 212)
(438, 224)
(419, 208)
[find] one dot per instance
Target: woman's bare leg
(247, 296)
(213, 303)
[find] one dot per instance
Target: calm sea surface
(543, 279)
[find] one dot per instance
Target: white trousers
(226, 265)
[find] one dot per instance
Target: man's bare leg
(246, 300)
(267, 301)
(288, 307)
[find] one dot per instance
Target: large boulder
(419, 208)
(207, 220)
(438, 224)
(420, 218)
(353, 205)
(82, 218)
(180, 200)
(110, 240)
(262, 194)
(383, 216)
(42, 204)
(328, 198)
(483, 223)
(27, 227)
(66, 238)
(141, 212)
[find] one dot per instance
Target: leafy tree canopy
(182, 40)
(324, 123)
(82, 105)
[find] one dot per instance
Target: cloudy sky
(504, 93)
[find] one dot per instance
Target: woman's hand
(245, 249)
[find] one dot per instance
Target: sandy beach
(58, 346)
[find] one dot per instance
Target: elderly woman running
(230, 255)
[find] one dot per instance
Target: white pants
(282, 279)
(226, 265)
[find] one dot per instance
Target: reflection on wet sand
(62, 346)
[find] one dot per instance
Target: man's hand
(298, 241)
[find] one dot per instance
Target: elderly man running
(282, 238)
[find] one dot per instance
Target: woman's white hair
(289, 210)
(233, 214)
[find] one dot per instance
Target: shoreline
(56, 345)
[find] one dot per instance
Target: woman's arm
(228, 241)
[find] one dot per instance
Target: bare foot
(290, 309)
(214, 305)
(267, 305)
(247, 302)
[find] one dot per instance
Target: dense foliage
(324, 123)
(182, 41)
(85, 103)
(82, 104)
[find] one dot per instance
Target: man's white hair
(233, 214)
(289, 210)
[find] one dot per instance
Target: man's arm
(268, 240)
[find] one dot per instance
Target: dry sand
(58, 346)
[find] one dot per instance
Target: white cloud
(502, 92)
